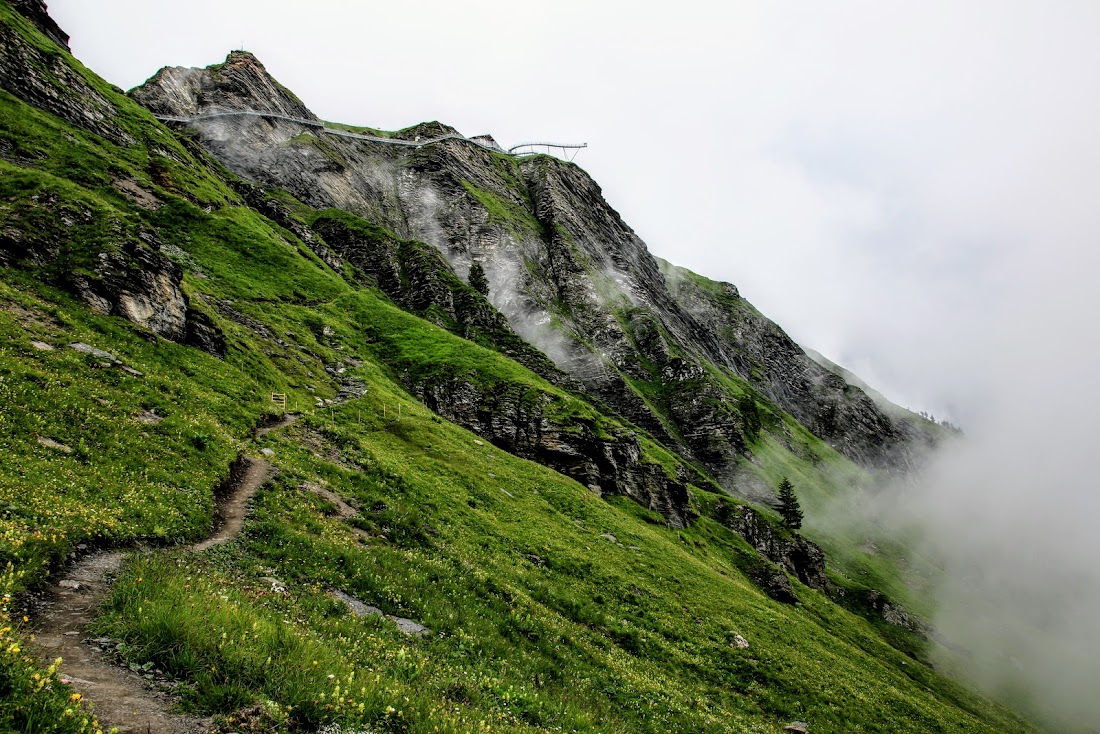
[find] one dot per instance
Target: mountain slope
(151, 303)
(682, 358)
(657, 344)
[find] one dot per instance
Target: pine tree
(788, 505)
(477, 279)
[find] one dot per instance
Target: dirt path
(233, 509)
(288, 419)
(120, 696)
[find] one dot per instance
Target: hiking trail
(121, 697)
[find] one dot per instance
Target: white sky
(890, 181)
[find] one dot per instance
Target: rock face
(181, 93)
(680, 356)
(803, 559)
(522, 424)
(417, 277)
(35, 11)
(46, 79)
(895, 614)
(121, 275)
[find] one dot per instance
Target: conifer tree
(789, 509)
(477, 279)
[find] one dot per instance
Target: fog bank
(1012, 509)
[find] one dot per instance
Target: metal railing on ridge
(515, 150)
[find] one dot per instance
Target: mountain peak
(239, 84)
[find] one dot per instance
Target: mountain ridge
(586, 290)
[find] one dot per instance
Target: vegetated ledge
(520, 421)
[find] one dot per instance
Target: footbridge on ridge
(482, 141)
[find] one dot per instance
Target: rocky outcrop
(35, 11)
(756, 348)
(800, 557)
(418, 278)
(522, 422)
(240, 83)
(47, 80)
(115, 270)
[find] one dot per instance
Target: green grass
(523, 593)
(375, 132)
(518, 218)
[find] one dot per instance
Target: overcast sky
(884, 179)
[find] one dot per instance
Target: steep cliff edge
(35, 11)
(684, 358)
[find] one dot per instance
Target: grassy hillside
(549, 608)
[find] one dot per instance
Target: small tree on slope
(477, 279)
(788, 505)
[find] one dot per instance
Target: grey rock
(267, 452)
(517, 421)
(802, 558)
(275, 584)
(149, 418)
(350, 389)
(409, 627)
(35, 11)
(895, 614)
(360, 609)
(94, 351)
(42, 346)
(48, 81)
(241, 82)
(49, 443)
